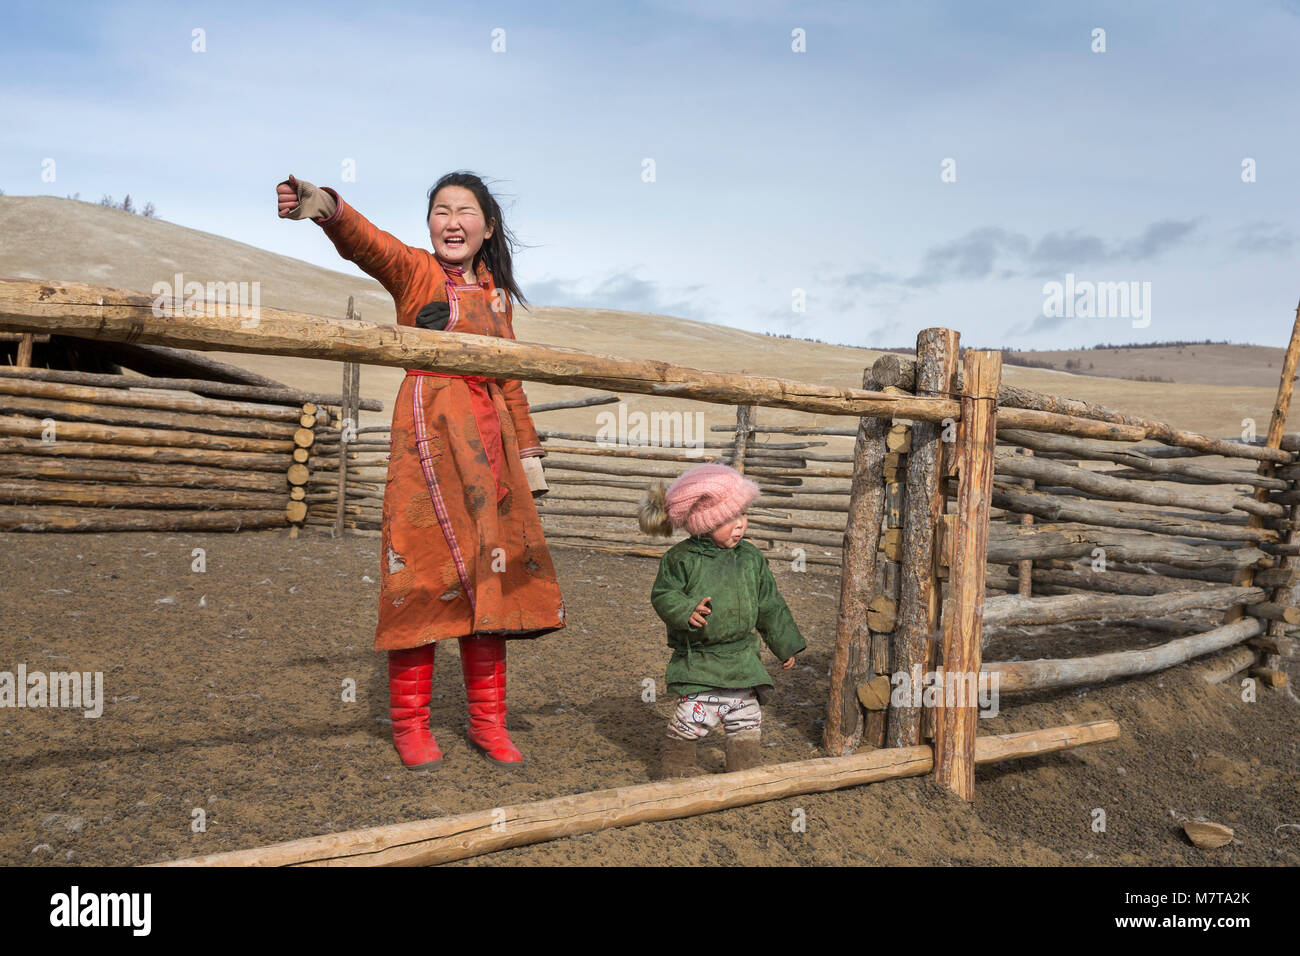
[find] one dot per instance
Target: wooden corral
(964, 502)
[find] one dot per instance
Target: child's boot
(410, 688)
(743, 750)
(483, 659)
(678, 758)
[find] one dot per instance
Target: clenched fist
(298, 199)
(286, 195)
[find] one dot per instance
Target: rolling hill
(43, 237)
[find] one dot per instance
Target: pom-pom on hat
(699, 501)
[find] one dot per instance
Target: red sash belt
(485, 415)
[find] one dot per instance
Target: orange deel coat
(462, 549)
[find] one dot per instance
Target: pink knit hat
(707, 497)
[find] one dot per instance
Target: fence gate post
(954, 730)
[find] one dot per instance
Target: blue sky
(775, 170)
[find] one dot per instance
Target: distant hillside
(50, 238)
(1185, 364)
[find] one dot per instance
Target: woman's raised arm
(379, 254)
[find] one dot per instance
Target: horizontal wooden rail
(1016, 610)
(1019, 676)
(116, 315)
(199, 386)
(443, 839)
(900, 371)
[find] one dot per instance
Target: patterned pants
(736, 708)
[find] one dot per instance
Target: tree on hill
(149, 211)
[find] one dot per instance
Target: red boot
(483, 659)
(410, 687)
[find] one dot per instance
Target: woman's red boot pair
(483, 659)
(410, 688)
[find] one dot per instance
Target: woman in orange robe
(462, 552)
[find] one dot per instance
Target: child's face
(456, 226)
(728, 535)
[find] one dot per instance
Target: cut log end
(1269, 677)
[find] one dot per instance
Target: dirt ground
(223, 692)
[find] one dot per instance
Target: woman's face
(728, 535)
(456, 226)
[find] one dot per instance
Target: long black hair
(496, 251)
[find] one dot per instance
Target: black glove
(434, 316)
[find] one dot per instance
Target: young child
(712, 591)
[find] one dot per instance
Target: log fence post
(919, 590)
(1270, 669)
(1026, 568)
(851, 663)
(347, 412)
(344, 410)
(745, 421)
(955, 722)
(26, 345)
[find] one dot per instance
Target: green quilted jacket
(725, 651)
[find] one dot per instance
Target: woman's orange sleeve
(380, 255)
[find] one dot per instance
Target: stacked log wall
(116, 451)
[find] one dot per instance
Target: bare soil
(224, 693)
